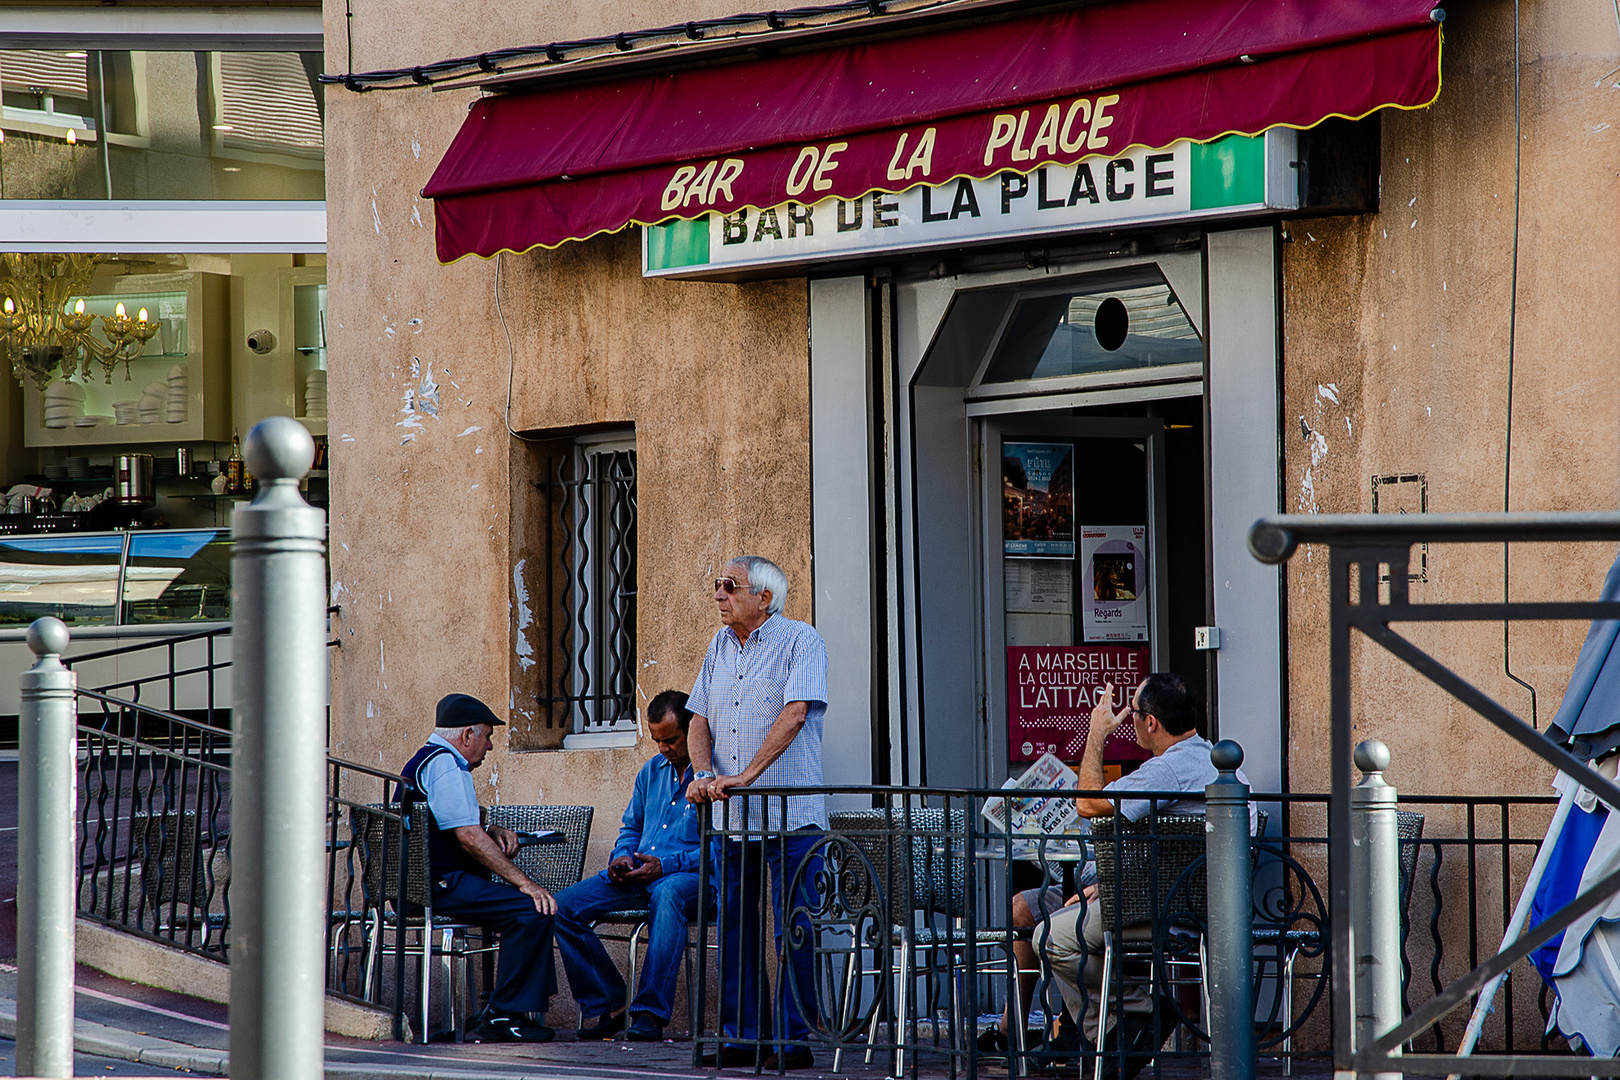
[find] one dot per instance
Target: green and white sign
(1234, 176)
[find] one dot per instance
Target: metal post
(278, 796)
(1375, 876)
(1231, 914)
(46, 803)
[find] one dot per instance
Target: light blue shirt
(742, 689)
(448, 784)
(659, 821)
(1184, 767)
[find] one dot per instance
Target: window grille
(588, 611)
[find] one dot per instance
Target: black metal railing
(902, 920)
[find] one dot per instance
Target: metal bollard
(1375, 897)
(278, 796)
(1231, 915)
(47, 800)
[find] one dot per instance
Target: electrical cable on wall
(511, 355)
(1513, 313)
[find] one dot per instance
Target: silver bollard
(1375, 891)
(47, 805)
(1231, 918)
(278, 795)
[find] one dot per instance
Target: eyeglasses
(726, 585)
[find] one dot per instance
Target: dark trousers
(525, 976)
(597, 985)
(745, 1011)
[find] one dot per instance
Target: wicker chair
(920, 859)
(182, 873)
(380, 832)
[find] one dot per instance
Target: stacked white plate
(315, 395)
(64, 403)
(176, 411)
(127, 412)
(152, 403)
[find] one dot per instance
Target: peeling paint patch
(382, 658)
(376, 218)
(416, 217)
(371, 710)
(470, 430)
(1329, 391)
(337, 588)
(416, 145)
(417, 322)
(524, 616)
(422, 397)
(347, 438)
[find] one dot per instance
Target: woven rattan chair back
(551, 866)
(921, 862)
(1409, 825)
(378, 835)
(1138, 868)
(174, 866)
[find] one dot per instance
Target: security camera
(261, 341)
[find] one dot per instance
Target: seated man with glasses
(654, 864)
(1165, 714)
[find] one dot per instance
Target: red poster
(1051, 690)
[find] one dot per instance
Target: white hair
(764, 574)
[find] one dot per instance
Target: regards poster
(1114, 583)
(1037, 499)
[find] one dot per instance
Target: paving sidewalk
(167, 1031)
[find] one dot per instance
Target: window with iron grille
(574, 591)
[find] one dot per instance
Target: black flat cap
(464, 710)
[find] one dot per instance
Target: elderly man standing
(757, 710)
(461, 856)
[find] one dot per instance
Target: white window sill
(600, 740)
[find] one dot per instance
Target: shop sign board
(1114, 568)
(1050, 693)
(1233, 176)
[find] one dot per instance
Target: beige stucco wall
(713, 377)
(1396, 363)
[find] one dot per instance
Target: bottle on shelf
(235, 468)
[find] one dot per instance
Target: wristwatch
(703, 774)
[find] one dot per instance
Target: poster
(1114, 582)
(1051, 690)
(1040, 586)
(1037, 499)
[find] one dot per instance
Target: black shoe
(1142, 1034)
(606, 1027)
(992, 1041)
(502, 1027)
(645, 1029)
(728, 1057)
(794, 1057)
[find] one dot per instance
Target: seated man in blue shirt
(654, 864)
(462, 855)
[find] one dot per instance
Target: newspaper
(1042, 815)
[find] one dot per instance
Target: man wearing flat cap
(462, 855)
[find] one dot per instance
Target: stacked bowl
(127, 412)
(151, 405)
(64, 403)
(315, 395)
(176, 412)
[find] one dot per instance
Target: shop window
(74, 578)
(574, 591)
(193, 125)
(1133, 321)
(177, 577)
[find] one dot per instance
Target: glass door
(1076, 578)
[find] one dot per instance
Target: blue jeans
(741, 934)
(525, 977)
(598, 987)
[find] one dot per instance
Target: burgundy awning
(541, 167)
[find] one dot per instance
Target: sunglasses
(726, 585)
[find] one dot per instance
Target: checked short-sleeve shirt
(743, 688)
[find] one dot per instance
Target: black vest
(445, 852)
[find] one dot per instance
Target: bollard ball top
(1226, 755)
(1371, 756)
(48, 636)
(278, 448)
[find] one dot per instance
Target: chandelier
(43, 337)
